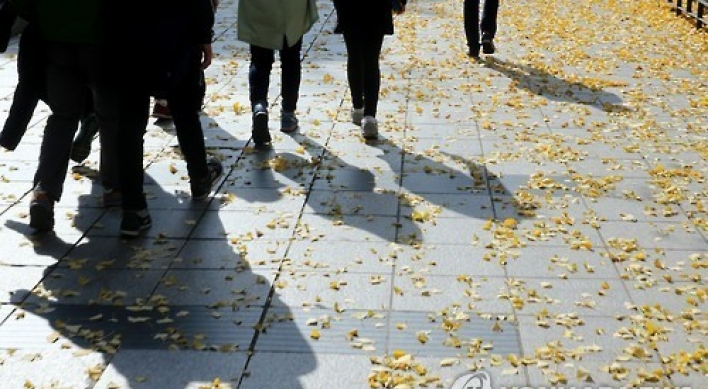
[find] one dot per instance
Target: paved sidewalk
(540, 214)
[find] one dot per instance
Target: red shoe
(161, 110)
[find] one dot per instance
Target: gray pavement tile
(503, 118)
(206, 287)
(359, 228)
(12, 193)
(39, 368)
(475, 205)
(660, 235)
(456, 333)
(584, 297)
(324, 331)
(522, 168)
(547, 233)
(304, 289)
(627, 168)
(19, 171)
(664, 265)
(5, 311)
(236, 198)
(222, 255)
(615, 209)
(442, 231)
(447, 260)
(306, 370)
(17, 281)
(23, 248)
(676, 298)
(607, 153)
(358, 179)
(463, 131)
(628, 188)
(237, 226)
(343, 256)
(582, 338)
(115, 253)
(345, 202)
(453, 181)
(422, 292)
(190, 327)
(172, 369)
(619, 375)
(552, 262)
(94, 286)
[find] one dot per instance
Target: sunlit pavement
(539, 214)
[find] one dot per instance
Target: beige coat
(266, 23)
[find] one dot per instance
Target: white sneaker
(357, 115)
(370, 127)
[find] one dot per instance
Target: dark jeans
(69, 68)
(363, 71)
(184, 94)
(29, 90)
(472, 22)
(259, 75)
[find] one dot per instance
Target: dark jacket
(365, 16)
(68, 21)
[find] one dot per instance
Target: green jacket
(265, 23)
(71, 21)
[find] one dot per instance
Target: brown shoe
(42, 212)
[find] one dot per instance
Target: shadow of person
(358, 202)
(166, 310)
(439, 184)
(555, 87)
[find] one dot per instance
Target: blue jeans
(259, 75)
(488, 25)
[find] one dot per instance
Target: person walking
(488, 26)
(174, 41)
(364, 42)
(75, 68)
(269, 26)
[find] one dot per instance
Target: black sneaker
(202, 187)
(260, 133)
(81, 147)
(473, 51)
(42, 212)
(135, 222)
(488, 45)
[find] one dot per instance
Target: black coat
(365, 16)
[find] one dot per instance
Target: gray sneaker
(357, 115)
(369, 127)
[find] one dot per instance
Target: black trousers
(363, 70)
(262, 60)
(70, 68)
(183, 87)
(488, 25)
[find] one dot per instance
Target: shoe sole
(41, 219)
(289, 130)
